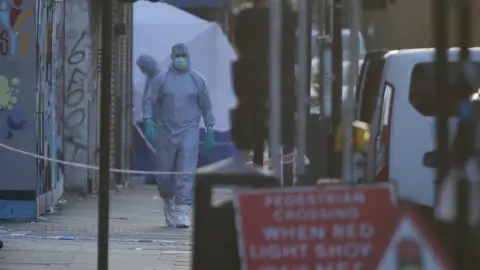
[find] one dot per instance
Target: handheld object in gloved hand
(209, 139)
(150, 132)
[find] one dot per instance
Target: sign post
(310, 228)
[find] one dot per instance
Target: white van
(397, 100)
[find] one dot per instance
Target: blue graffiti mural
(11, 122)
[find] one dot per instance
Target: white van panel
(411, 133)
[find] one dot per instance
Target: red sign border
(383, 240)
(339, 186)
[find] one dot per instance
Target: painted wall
(77, 89)
(49, 73)
(43, 100)
(58, 47)
(408, 24)
(17, 104)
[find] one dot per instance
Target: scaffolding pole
(303, 77)
(275, 67)
(335, 159)
(349, 111)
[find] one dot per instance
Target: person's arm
(205, 104)
(150, 97)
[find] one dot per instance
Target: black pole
(104, 170)
(337, 68)
(302, 175)
(462, 235)
(440, 24)
(321, 164)
(309, 44)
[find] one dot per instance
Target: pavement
(66, 238)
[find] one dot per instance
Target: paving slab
(20, 254)
(139, 237)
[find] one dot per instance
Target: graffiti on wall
(46, 101)
(40, 68)
(74, 99)
(13, 39)
(77, 91)
(8, 90)
(14, 119)
(58, 78)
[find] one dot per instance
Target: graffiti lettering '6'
(9, 41)
(13, 35)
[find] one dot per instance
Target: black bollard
(215, 243)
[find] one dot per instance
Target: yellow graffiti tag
(7, 97)
(24, 39)
(22, 19)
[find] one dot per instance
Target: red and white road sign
(310, 228)
(408, 242)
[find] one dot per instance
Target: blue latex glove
(209, 139)
(150, 131)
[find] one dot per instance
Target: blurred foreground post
(463, 245)
(441, 50)
(440, 43)
(215, 235)
(452, 94)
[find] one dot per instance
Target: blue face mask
(180, 63)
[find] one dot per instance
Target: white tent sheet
(157, 27)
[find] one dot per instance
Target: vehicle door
(368, 86)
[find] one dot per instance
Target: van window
(422, 90)
(386, 103)
(370, 87)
